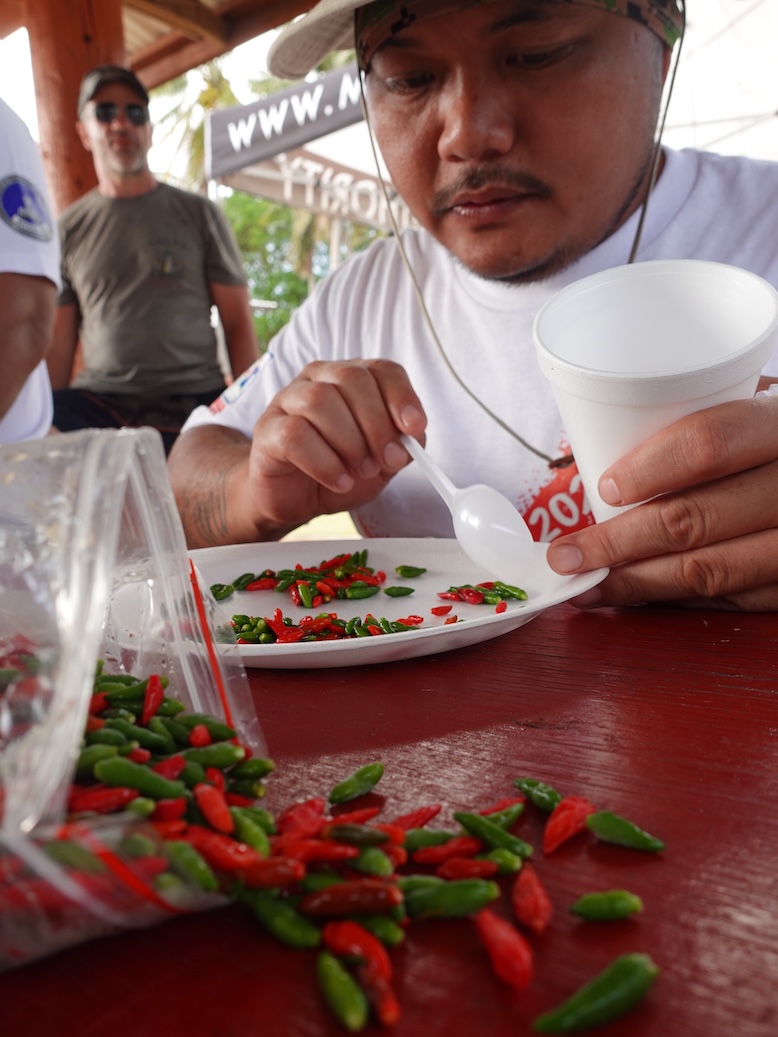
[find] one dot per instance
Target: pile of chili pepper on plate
(324, 875)
(346, 577)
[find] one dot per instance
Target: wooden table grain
(665, 715)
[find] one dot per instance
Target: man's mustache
(478, 179)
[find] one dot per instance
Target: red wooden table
(667, 716)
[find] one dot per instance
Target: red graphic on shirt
(559, 507)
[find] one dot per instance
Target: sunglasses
(107, 111)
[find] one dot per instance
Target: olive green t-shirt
(138, 269)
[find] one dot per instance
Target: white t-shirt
(29, 244)
(704, 206)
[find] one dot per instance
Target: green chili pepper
(254, 768)
(417, 838)
(105, 736)
(120, 772)
(313, 881)
(192, 774)
(452, 899)
(169, 707)
(608, 905)
(398, 592)
(545, 797)
(262, 817)
(507, 862)
(190, 864)
(365, 590)
(372, 861)
(609, 995)
(281, 920)
(507, 590)
(243, 581)
(177, 731)
(221, 591)
(492, 834)
(360, 782)
(409, 572)
(246, 787)
(250, 832)
(387, 931)
(91, 755)
(219, 754)
(613, 828)
(406, 883)
(341, 992)
(356, 834)
(73, 855)
(142, 735)
(507, 817)
(157, 726)
(136, 844)
(142, 806)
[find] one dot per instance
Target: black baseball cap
(104, 74)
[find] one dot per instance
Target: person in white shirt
(29, 281)
(521, 133)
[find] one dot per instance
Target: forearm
(63, 347)
(26, 317)
(208, 470)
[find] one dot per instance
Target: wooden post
(67, 38)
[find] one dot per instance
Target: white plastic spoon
(488, 527)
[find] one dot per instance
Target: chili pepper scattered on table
(299, 873)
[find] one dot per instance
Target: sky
(725, 97)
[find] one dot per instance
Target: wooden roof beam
(189, 17)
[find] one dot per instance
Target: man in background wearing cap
(142, 265)
(521, 133)
(29, 279)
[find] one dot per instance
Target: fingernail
(410, 416)
(345, 483)
(567, 559)
(370, 468)
(394, 456)
(609, 492)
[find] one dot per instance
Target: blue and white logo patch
(24, 208)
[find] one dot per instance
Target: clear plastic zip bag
(95, 579)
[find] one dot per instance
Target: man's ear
(83, 136)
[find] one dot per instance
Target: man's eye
(406, 83)
(539, 59)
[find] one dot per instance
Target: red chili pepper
(276, 871)
(381, 998)
(170, 767)
(221, 852)
(304, 818)
(419, 817)
(471, 595)
(264, 583)
(169, 809)
(354, 896)
(139, 754)
(356, 817)
(171, 829)
(398, 855)
(441, 610)
(501, 606)
(314, 849)
(466, 868)
(449, 595)
(351, 940)
(412, 621)
(200, 736)
(450, 619)
(502, 804)
(567, 819)
(375, 631)
(458, 846)
(98, 702)
(530, 901)
(396, 833)
(294, 594)
(214, 808)
(152, 699)
(216, 777)
(94, 723)
(150, 866)
(101, 800)
(234, 799)
(509, 953)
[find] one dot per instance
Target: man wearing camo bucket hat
(523, 136)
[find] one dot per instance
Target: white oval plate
(446, 566)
